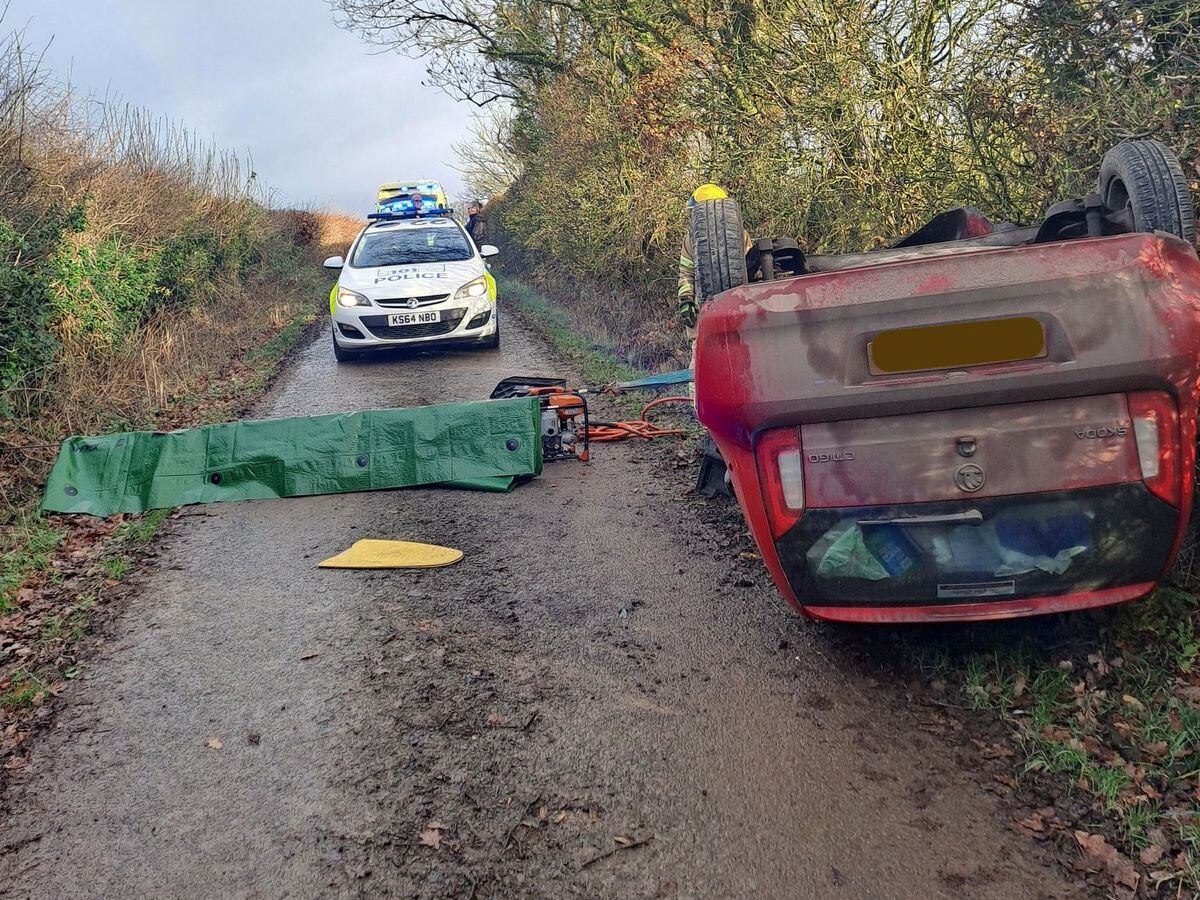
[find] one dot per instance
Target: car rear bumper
(979, 612)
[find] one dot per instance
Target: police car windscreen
(406, 246)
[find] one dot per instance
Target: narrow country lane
(598, 672)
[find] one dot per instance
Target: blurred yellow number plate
(957, 345)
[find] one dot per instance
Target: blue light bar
(395, 215)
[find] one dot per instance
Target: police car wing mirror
(488, 250)
(335, 262)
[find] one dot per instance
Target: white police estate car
(412, 280)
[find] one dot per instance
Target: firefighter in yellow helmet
(689, 309)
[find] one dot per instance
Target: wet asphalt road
(599, 672)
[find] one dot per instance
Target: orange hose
(641, 427)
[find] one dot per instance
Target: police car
(412, 277)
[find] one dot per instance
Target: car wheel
(493, 343)
(718, 247)
(341, 354)
(1145, 178)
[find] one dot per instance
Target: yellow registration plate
(956, 345)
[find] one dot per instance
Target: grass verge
(596, 360)
(26, 547)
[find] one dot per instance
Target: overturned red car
(982, 421)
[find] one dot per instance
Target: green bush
(188, 265)
(62, 277)
(101, 293)
(28, 344)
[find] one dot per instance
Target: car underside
(979, 421)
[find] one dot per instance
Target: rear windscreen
(408, 246)
(971, 550)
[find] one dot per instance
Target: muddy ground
(602, 700)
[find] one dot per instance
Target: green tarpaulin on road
(483, 445)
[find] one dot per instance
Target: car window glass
(411, 245)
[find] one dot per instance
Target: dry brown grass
(227, 276)
(142, 182)
(323, 230)
(140, 176)
(338, 230)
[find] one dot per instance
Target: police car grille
(379, 327)
(403, 302)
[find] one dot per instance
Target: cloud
(324, 117)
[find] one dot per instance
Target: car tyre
(718, 247)
(1145, 178)
(493, 343)
(343, 355)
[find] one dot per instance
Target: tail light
(781, 474)
(1156, 430)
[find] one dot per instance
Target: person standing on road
(476, 227)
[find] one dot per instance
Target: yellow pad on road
(371, 554)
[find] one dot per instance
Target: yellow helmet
(709, 192)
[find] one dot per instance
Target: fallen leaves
(432, 835)
(1034, 825)
(45, 616)
(1150, 855)
(1097, 855)
(1103, 726)
(1190, 693)
(989, 750)
(1043, 824)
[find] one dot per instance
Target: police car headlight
(476, 288)
(351, 298)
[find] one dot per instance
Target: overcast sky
(325, 117)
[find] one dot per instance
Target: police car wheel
(342, 355)
(493, 343)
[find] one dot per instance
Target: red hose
(641, 427)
